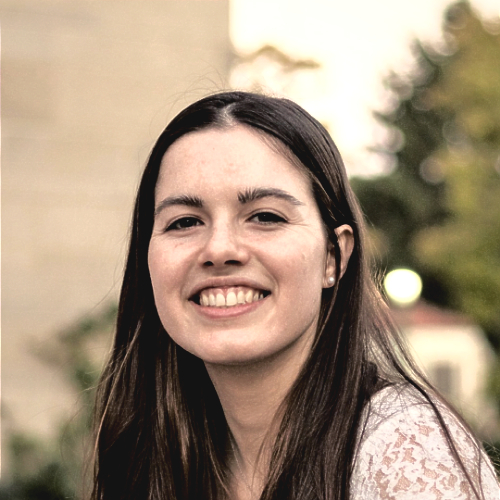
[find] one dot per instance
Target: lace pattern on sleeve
(403, 453)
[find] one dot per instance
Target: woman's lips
(228, 301)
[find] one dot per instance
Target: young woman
(254, 357)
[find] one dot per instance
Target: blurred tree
(268, 69)
(54, 469)
(438, 211)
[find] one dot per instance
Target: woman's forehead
(230, 155)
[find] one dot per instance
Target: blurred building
(456, 356)
(86, 89)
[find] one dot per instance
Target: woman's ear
(345, 239)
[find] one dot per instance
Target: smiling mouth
(228, 296)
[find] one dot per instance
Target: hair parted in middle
(158, 414)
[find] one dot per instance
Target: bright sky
(357, 42)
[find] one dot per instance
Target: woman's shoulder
(403, 452)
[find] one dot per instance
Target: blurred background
(410, 91)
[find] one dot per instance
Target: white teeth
(220, 300)
(231, 299)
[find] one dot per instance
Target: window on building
(445, 377)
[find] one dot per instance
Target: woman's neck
(251, 396)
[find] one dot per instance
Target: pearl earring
(331, 281)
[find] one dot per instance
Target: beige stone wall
(87, 86)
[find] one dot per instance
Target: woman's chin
(234, 354)
(235, 357)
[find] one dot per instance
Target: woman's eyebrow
(249, 195)
(252, 194)
(183, 199)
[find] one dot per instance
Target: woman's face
(238, 256)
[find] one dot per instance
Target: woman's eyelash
(268, 218)
(183, 223)
(260, 217)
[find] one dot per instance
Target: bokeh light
(403, 286)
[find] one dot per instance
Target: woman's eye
(267, 218)
(183, 223)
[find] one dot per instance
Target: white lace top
(404, 454)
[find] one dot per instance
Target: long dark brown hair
(161, 431)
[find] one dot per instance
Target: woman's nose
(224, 246)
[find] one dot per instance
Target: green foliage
(37, 473)
(53, 469)
(438, 212)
